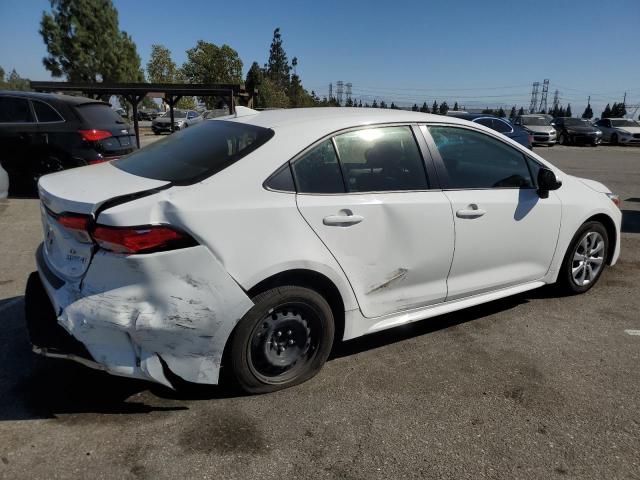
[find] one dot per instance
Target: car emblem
(124, 131)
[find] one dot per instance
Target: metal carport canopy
(135, 92)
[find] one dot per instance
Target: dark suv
(42, 133)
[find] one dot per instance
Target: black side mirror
(547, 181)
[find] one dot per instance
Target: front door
(366, 195)
(505, 234)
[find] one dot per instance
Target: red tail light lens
(94, 135)
(142, 239)
(74, 222)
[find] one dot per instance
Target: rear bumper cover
(136, 314)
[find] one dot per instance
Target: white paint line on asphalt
(633, 332)
(9, 304)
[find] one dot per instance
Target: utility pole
(349, 85)
(330, 91)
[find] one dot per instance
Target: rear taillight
(77, 225)
(143, 239)
(94, 135)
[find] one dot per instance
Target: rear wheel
(284, 339)
(49, 163)
(585, 259)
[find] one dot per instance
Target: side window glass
(318, 171)
(475, 160)
(487, 122)
(381, 159)
(15, 110)
(281, 180)
(535, 168)
(45, 113)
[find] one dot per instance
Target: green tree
(208, 63)
(374, 104)
(424, 108)
(383, 104)
(85, 44)
(521, 111)
(278, 68)
(434, 107)
(444, 108)
(512, 114)
(588, 112)
(607, 112)
(160, 67)
(415, 108)
(455, 107)
(272, 95)
(393, 106)
(501, 113)
(568, 111)
(13, 81)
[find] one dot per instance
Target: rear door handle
(345, 220)
(472, 211)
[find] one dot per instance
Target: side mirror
(547, 181)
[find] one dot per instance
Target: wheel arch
(310, 279)
(610, 227)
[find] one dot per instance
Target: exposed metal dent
(397, 275)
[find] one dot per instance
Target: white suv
(259, 240)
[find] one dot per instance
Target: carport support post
(134, 100)
(172, 100)
(232, 107)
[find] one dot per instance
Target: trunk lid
(69, 196)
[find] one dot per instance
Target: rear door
(18, 133)
(505, 234)
(383, 219)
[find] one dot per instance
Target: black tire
(285, 317)
(563, 139)
(614, 139)
(48, 163)
(566, 282)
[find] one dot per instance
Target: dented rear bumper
(138, 315)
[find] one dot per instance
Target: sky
(478, 53)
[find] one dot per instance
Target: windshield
(535, 121)
(195, 153)
(624, 123)
(577, 121)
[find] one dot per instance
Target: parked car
(122, 112)
(42, 133)
(147, 114)
(4, 183)
(181, 119)
(539, 127)
(262, 239)
(576, 131)
(215, 113)
(514, 132)
(619, 130)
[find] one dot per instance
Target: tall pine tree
(278, 69)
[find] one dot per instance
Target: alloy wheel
(588, 258)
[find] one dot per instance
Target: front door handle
(472, 211)
(345, 219)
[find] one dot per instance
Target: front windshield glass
(577, 121)
(535, 121)
(624, 123)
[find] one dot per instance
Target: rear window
(98, 114)
(197, 152)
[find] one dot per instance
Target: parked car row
(42, 133)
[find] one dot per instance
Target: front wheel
(563, 139)
(284, 339)
(585, 259)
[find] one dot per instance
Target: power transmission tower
(330, 91)
(339, 91)
(543, 99)
(556, 99)
(349, 85)
(534, 97)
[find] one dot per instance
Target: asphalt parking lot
(532, 386)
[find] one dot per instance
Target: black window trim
(33, 108)
(442, 171)
(427, 160)
(33, 113)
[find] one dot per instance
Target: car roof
(334, 118)
(471, 116)
(76, 100)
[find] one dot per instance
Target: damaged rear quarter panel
(181, 305)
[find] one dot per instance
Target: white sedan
(257, 241)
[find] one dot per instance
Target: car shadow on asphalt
(631, 221)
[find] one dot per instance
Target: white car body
(627, 134)
(412, 254)
(4, 183)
